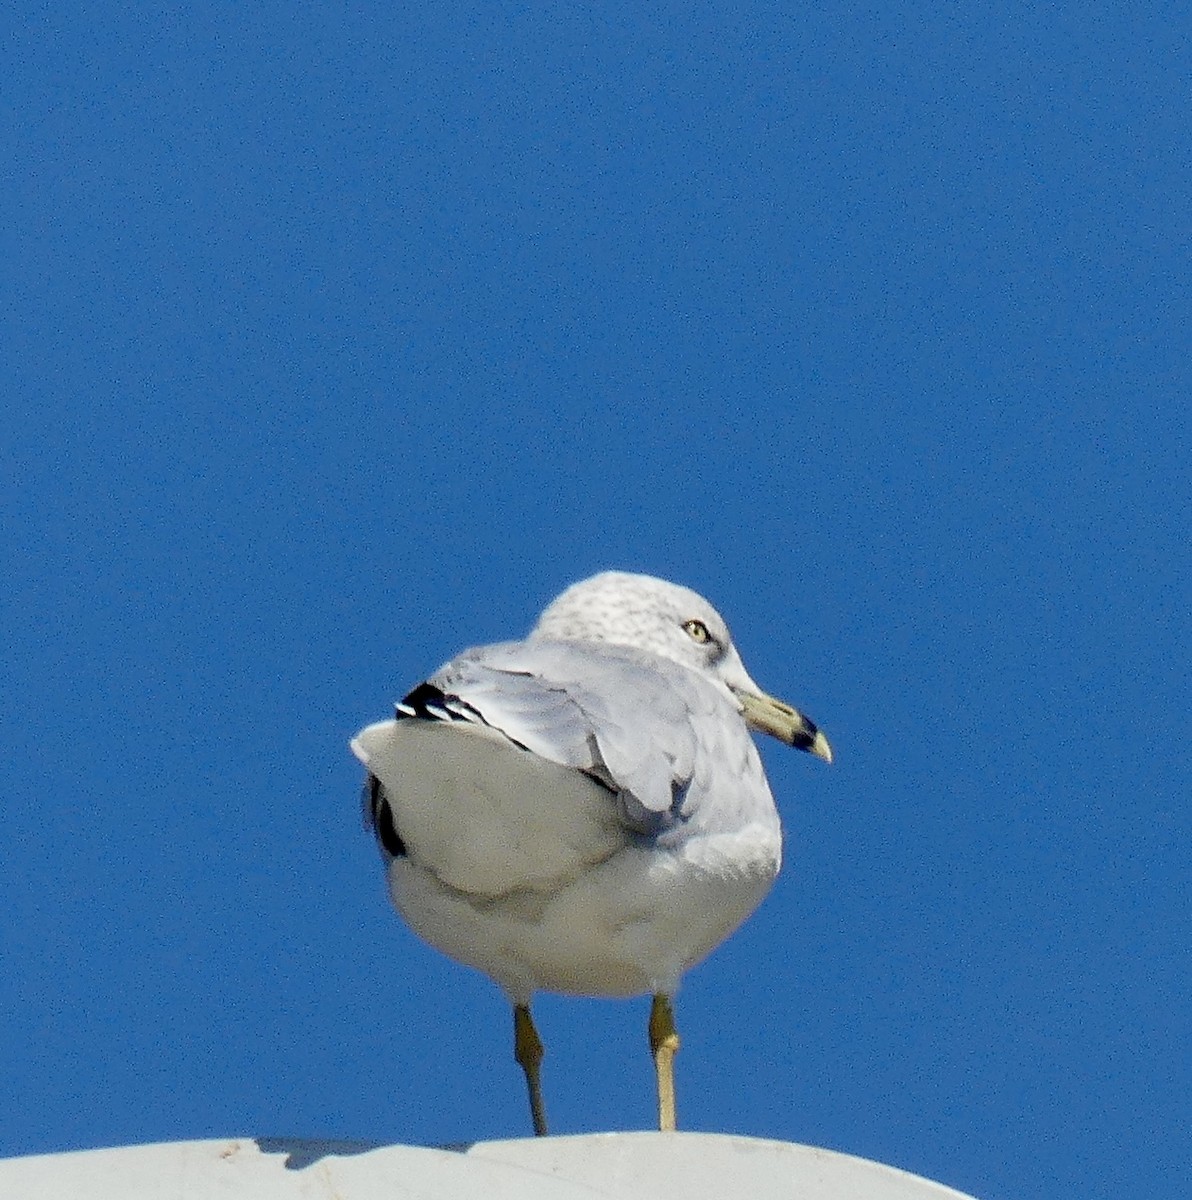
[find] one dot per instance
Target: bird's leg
(528, 1050)
(664, 1041)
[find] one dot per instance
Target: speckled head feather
(623, 609)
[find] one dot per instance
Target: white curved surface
(609, 1166)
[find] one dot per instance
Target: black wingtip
(380, 817)
(421, 701)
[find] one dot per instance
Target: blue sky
(338, 338)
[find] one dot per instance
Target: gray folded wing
(658, 735)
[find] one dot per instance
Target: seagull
(584, 812)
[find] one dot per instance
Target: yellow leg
(528, 1050)
(664, 1042)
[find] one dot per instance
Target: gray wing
(648, 729)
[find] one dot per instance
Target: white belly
(632, 924)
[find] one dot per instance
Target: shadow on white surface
(612, 1166)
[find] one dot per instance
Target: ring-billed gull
(584, 811)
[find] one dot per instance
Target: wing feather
(621, 715)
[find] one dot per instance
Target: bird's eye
(697, 631)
